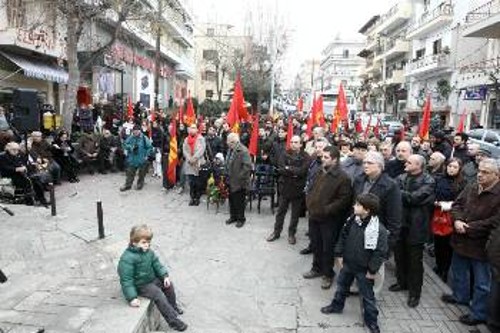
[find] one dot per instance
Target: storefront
(42, 74)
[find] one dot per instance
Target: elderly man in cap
(477, 154)
(193, 150)
(476, 213)
(137, 147)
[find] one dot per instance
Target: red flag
(190, 115)
(130, 109)
(237, 109)
(367, 128)
(300, 105)
(254, 138)
(240, 100)
(289, 133)
(358, 126)
(461, 123)
(342, 103)
(320, 114)
(426, 119)
(172, 155)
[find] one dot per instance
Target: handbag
(442, 222)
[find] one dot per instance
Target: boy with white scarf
(361, 249)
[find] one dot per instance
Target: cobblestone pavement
(228, 279)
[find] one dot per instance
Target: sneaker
(178, 325)
(312, 274)
(326, 282)
(180, 190)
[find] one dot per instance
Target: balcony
(396, 47)
(484, 21)
(397, 15)
(395, 77)
(371, 43)
(432, 64)
(430, 21)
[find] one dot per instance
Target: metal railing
(390, 13)
(439, 60)
(483, 12)
(444, 9)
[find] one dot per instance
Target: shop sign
(475, 94)
(121, 52)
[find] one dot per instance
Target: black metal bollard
(52, 193)
(100, 221)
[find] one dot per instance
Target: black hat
(369, 202)
(484, 151)
(361, 145)
(137, 127)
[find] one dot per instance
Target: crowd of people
(368, 196)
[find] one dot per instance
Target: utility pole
(273, 58)
(157, 55)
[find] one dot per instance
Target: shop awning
(37, 69)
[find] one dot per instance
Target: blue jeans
(344, 281)
(460, 270)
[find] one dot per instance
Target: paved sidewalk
(228, 279)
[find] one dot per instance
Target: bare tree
(77, 14)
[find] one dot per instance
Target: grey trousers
(131, 171)
(164, 299)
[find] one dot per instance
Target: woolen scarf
(191, 140)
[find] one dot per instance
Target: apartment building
(217, 48)
(32, 50)
(430, 68)
(341, 64)
(478, 37)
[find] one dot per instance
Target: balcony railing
(483, 12)
(444, 9)
(387, 16)
(431, 62)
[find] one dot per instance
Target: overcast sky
(313, 22)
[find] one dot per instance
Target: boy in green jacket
(142, 274)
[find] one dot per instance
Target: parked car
(486, 138)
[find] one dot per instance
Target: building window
(15, 13)
(209, 94)
(210, 32)
(420, 53)
(345, 54)
(437, 47)
(210, 54)
(208, 76)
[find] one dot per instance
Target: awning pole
(11, 74)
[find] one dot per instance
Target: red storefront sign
(123, 53)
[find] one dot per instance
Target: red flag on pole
(367, 128)
(342, 104)
(461, 123)
(335, 122)
(300, 105)
(426, 120)
(320, 114)
(172, 155)
(289, 133)
(130, 109)
(240, 100)
(254, 138)
(190, 115)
